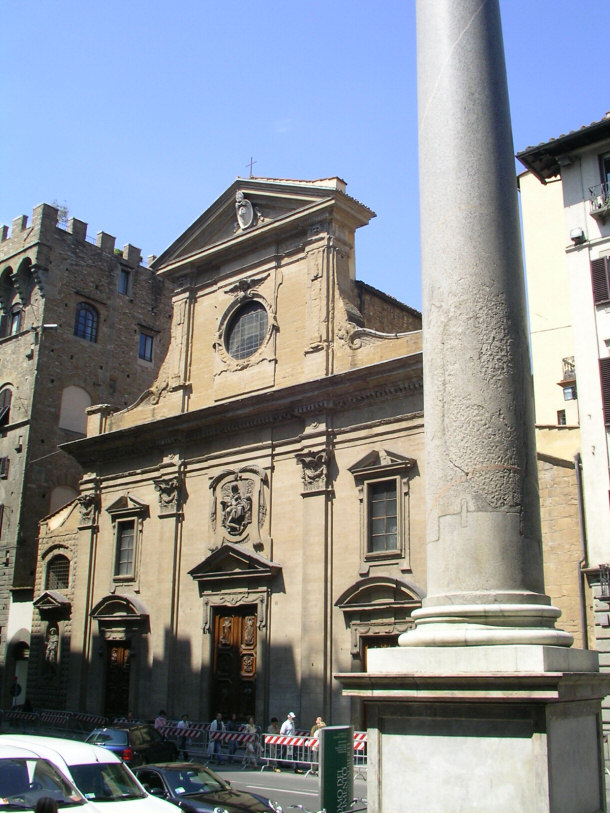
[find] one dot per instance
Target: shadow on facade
(122, 675)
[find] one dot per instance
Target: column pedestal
(500, 729)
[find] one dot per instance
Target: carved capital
(314, 469)
(88, 505)
(170, 491)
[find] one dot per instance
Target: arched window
(73, 412)
(14, 320)
(6, 396)
(58, 573)
(86, 322)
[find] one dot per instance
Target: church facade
(254, 523)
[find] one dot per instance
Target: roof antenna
(250, 164)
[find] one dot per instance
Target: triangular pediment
(232, 563)
(127, 504)
(251, 206)
(51, 600)
(382, 460)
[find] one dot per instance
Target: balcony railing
(569, 368)
(599, 200)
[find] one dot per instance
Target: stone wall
(49, 271)
(562, 551)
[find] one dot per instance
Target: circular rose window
(246, 330)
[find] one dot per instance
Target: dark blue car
(135, 744)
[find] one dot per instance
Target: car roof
(10, 751)
(73, 752)
(173, 766)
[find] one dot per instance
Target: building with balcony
(80, 323)
(566, 223)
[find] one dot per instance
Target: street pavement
(287, 788)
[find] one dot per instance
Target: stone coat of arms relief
(239, 507)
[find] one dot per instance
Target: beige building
(254, 523)
(566, 220)
(80, 324)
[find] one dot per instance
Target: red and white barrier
(231, 736)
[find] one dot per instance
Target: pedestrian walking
(289, 729)
(183, 722)
(214, 747)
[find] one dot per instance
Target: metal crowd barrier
(297, 752)
(69, 724)
(194, 741)
(301, 752)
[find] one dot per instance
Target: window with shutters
(604, 374)
(600, 280)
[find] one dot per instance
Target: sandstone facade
(255, 523)
(223, 554)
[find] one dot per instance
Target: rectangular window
(4, 467)
(124, 278)
(569, 393)
(382, 516)
(146, 347)
(1, 517)
(561, 417)
(125, 547)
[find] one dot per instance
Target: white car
(25, 778)
(105, 782)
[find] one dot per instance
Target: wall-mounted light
(577, 236)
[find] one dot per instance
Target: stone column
(485, 578)
(483, 706)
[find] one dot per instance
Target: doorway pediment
(378, 592)
(120, 608)
(231, 565)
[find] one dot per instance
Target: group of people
(280, 754)
(288, 729)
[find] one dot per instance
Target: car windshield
(25, 780)
(106, 782)
(108, 736)
(196, 779)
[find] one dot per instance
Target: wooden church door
(116, 701)
(234, 662)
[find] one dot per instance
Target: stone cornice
(352, 389)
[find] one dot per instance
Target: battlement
(45, 221)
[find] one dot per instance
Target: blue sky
(138, 114)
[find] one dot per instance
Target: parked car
(25, 778)
(102, 779)
(135, 744)
(195, 788)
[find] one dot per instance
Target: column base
(504, 729)
(486, 624)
